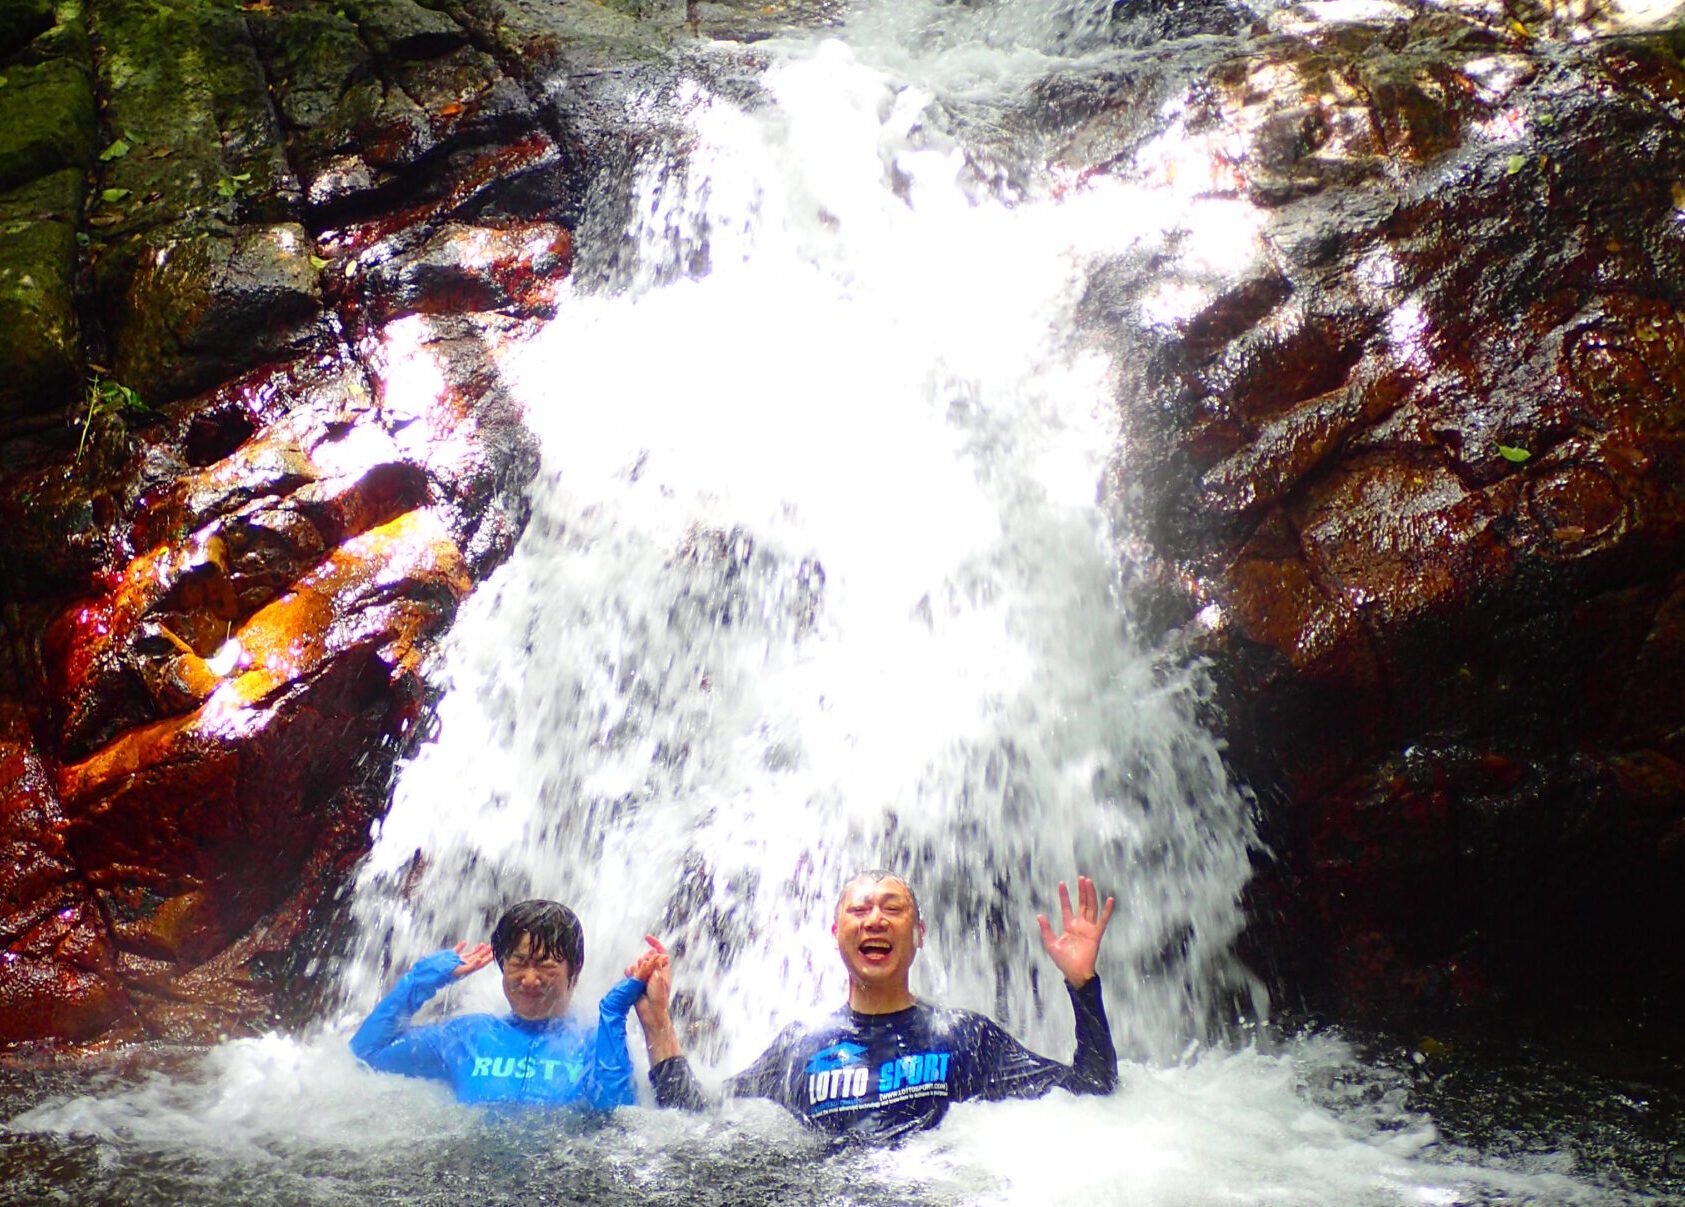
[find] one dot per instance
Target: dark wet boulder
(202, 305)
(58, 971)
(160, 820)
(1418, 472)
(461, 267)
(209, 678)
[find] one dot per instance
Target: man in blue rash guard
(886, 1065)
(538, 1053)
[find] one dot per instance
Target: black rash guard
(877, 1077)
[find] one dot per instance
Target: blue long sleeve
(611, 1072)
(386, 1042)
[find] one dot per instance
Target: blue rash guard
(879, 1077)
(485, 1058)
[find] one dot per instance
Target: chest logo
(836, 1075)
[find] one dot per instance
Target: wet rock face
(1412, 452)
(259, 267)
(211, 680)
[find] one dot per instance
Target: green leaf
(113, 196)
(116, 150)
(242, 177)
(2, 81)
(318, 263)
(1511, 453)
(1516, 163)
(226, 188)
(1545, 119)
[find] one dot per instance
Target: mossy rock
(403, 29)
(200, 307)
(47, 121)
(66, 37)
(314, 58)
(184, 85)
(41, 354)
(21, 22)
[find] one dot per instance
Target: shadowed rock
(1416, 451)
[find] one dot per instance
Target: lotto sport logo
(833, 1075)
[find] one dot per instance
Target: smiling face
(878, 933)
(537, 987)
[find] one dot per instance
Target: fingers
(656, 952)
(1047, 939)
(1106, 914)
(1065, 905)
(646, 965)
(473, 958)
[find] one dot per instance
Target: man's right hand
(473, 958)
(654, 969)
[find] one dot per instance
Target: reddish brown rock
(162, 821)
(58, 965)
(461, 269)
(1426, 463)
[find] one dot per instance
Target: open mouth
(876, 949)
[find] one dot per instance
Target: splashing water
(819, 576)
(818, 579)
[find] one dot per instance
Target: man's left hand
(1078, 946)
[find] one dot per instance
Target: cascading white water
(819, 576)
(817, 579)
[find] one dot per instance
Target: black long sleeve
(998, 1066)
(675, 1085)
(875, 1077)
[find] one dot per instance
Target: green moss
(183, 78)
(315, 57)
(47, 121)
(41, 354)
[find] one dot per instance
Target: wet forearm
(661, 1039)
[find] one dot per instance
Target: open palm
(1077, 946)
(473, 958)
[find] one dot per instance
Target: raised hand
(647, 962)
(473, 958)
(1078, 945)
(654, 969)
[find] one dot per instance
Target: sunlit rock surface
(1409, 441)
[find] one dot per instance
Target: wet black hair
(879, 874)
(552, 927)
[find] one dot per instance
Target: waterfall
(818, 577)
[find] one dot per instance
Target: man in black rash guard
(885, 1064)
